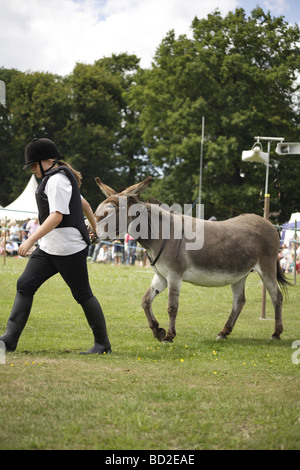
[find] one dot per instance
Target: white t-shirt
(62, 241)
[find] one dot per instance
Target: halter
(159, 253)
(161, 247)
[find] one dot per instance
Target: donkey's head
(113, 215)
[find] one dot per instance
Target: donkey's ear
(136, 189)
(107, 191)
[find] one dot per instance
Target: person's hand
(93, 237)
(25, 247)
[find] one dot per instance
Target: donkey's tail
(282, 279)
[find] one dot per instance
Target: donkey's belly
(211, 278)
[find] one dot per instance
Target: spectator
(2, 238)
(131, 249)
(285, 259)
(103, 256)
(298, 264)
(11, 248)
(24, 230)
(117, 251)
(14, 231)
(32, 226)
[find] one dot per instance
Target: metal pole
(295, 253)
(267, 169)
(266, 216)
(201, 164)
(2, 93)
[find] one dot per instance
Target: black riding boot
(96, 320)
(16, 321)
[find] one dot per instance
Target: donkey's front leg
(158, 284)
(238, 291)
(173, 302)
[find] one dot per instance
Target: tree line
(118, 121)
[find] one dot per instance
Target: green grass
(196, 393)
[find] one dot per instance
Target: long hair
(76, 173)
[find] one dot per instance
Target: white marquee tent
(24, 206)
(288, 234)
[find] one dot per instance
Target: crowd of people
(287, 259)
(13, 234)
(119, 251)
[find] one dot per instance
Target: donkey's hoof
(167, 339)
(161, 334)
(221, 336)
(275, 336)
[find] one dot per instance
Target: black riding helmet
(38, 150)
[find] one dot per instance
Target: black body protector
(76, 217)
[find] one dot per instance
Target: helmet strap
(42, 169)
(48, 169)
(53, 164)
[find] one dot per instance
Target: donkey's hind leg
(276, 296)
(238, 291)
(158, 284)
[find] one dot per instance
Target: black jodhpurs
(41, 266)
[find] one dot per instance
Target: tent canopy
(288, 229)
(24, 206)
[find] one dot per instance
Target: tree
(86, 115)
(240, 73)
(104, 139)
(131, 161)
(37, 106)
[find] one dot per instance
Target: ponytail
(77, 174)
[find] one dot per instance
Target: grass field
(196, 393)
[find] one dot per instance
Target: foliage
(84, 113)
(118, 121)
(240, 73)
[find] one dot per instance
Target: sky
(53, 35)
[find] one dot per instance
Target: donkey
(229, 251)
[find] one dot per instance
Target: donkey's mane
(154, 200)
